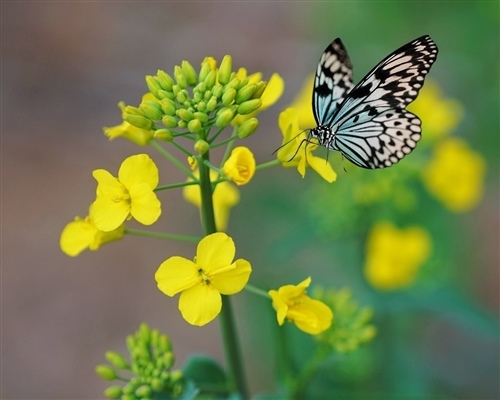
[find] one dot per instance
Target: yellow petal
(311, 316)
(108, 215)
(138, 169)
(302, 104)
(144, 205)
(322, 167)
(76, 237)
(215, 251)
(240, 166)
(107, 184)
(177, 274)
(232, 280)
(273, 91)
(200, 304)
(279, 305)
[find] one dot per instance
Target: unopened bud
(184, 114)
(194, 125)
(139, 121)
(245, 93)
(153, 85)
(163, 134)
(105, 372)
(228, 96)
(151, 109)
(210, 79)
(249, 106)
(201, 147)
(189, 72)
(165, 80)
(113, 392)
(224, 117)
(261, 86)
(168, 106)
(169, 121)
(247, 128)
(180, 78)
(225, 69)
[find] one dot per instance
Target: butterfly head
(324, 135)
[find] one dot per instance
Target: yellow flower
(302, 104)
(240, 166)
(82, 234)
(137, 135)
(202, 281)
(129, 195)
(225, 196)
(292, 303)
(439, 115)
(291, 156)
(395, 256)
(455, 175)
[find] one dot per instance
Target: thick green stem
(227, 323)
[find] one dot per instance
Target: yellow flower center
(204, 277)
(125, 197)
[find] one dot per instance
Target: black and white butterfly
(368, 123)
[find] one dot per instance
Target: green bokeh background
(64, 68)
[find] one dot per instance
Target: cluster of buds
(151, 360)
(191, 103)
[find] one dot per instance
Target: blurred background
(65, 66)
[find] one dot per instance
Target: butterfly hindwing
(333, 80)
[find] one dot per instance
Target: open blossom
(202, 281)
(240, 166)
(82, 234)
(292, 303)
(129, 195)
(394, 256)
(297, 152)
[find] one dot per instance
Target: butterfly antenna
(291, 140)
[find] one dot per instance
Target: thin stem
(229, 147)
(256, 290)
(172, 159)
(211, 140)
(268, 164)
(158, 235)
(176, 185)
(227, 323)
(228, 140)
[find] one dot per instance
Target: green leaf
(207, 375)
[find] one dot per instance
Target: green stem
(159, 235)
(175, 185)
(172, 159)
(257, 291)
(227, 323)
(268, 164)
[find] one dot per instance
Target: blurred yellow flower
(202, 281)
(291, 156)
(439, 115)
(125, 130)
(81, 234)
(455, 175)
(240, 166)
(225, 196)
(292, 303)
(129, 195)
(303, 104)
(394, 256)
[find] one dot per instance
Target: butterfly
(368, 123)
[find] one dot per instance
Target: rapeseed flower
(240, 166)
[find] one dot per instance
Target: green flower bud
(228, 96)
(113, 392)
(208, 95)
(105, 372)
(117, 359)
(133, 111)
(247, 128)
(245, 93)
(169, 121)
(225, 69)
(130, 343)
(176, 89)
(243, 83)
(212, 104)
(197, 97)
(224, 117)
(181, 96)
(233, 83)
(153, 85)
(194, 125)
(184, 114)
(176, 376)
(143, 391)
(210, 79)
(139, 121)
(201, 116)
(168, 360)
(151, 110)
(180, 78)
(217, 91)
(182, 124)
(204, 70)
(189, 72)
(261, 86)
(200, 88)
(157, 385)
(163, 134)
(201, 147)
(165, 80)
(249, 106)
(202, 106)
(163, 94)
(168, 106)
(164, 343)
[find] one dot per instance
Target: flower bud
(143, 391)
(180, 78)
(247, 128)
(168, 106)
(202, 106)
(182, 124)
(113, 392)
(212, 104)
(176, 376)
(194, 125)
(133, 110)
(261, 86)
(233, 83)
(201, 116)
(117, 359)
(243, 83)
(228, 96)
(200, 88)
(224, 117)
(189, 72)
(217, 91)
(163, 134)
(245, 93)
(181, 96)
(139, 121)
(153, 85)
(201, 147)
(210, 79)
(165, 80)
(204, 70)
(225, 69)
(249, 106)
(157, 384)
(184, 114)
(105, 372)
(168, 360)
(163, 94)
(169, 121)
(151, 110)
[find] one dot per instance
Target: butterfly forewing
(332, 82)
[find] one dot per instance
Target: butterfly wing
(373, 128)
(333, 80)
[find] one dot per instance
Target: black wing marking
(333, 80)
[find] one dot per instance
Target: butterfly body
(368, 122)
